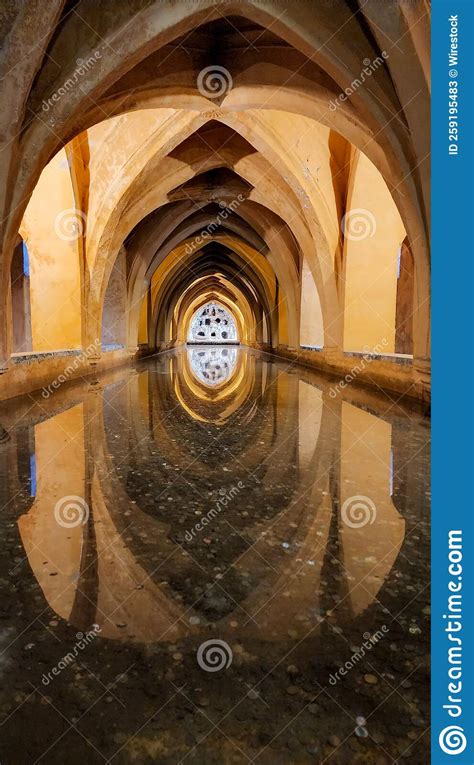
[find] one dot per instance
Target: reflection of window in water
(213, 365)
(212, 324)
(26, 459)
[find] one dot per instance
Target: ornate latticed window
(212, 324)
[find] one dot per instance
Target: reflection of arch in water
(212, 323)
(213, 366)
(305, 522)
(153, 612)
(371, 529)
(216, 404)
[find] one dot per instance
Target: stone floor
(213, 557)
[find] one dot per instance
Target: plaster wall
(311, 320)
(50, 229)
(114, 327)
(371, 259)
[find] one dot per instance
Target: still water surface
(213, 494)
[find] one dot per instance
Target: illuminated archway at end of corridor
(212, 324)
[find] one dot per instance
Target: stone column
(5, 325)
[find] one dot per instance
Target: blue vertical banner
(452, 709)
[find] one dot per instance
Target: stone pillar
(422, 373)
(5, 324)
(422, 328)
